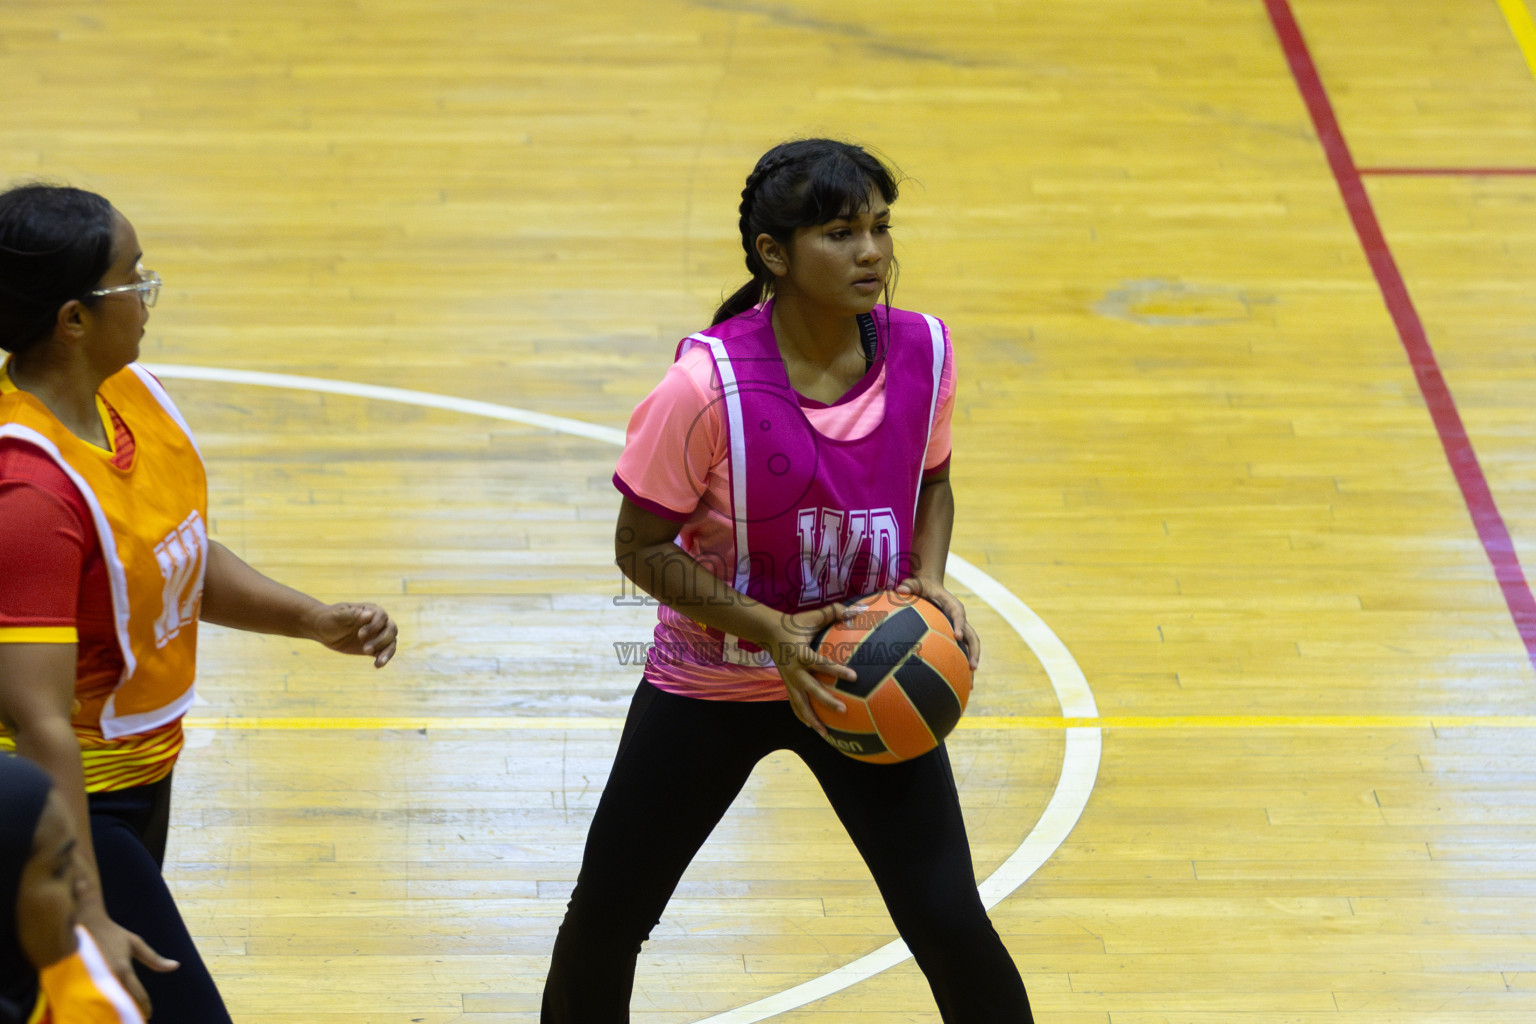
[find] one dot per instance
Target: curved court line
(1080, 759)
(1079, 770)
(293, 382)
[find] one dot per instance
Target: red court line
(1437, 395)
(1436, 172)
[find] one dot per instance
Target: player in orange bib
(107, 570)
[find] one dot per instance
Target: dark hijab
(24, 789)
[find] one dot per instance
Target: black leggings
(681, 762)
(128, 829)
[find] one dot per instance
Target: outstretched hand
(950, 605)
(802, 666)
(119, 948)
(357, 629)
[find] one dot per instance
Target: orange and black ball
(914, 679)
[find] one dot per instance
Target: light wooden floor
(1188, 437)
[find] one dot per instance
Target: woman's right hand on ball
(803, 668)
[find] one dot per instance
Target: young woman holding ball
(794, 456)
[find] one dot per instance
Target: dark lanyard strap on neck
(869, 339)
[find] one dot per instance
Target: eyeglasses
(148, 288)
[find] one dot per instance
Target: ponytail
(743, 299)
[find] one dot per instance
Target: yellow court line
(978, 722)
(1258, 722)
(1520, 23)
(403, 724)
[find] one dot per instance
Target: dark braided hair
(55, 246)
(800, 184)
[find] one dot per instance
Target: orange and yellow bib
(151, 520)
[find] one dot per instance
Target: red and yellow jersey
(81, 989)
(145, 507)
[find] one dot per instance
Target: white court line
(1080, 759)
(1079, 770)
(383, 394)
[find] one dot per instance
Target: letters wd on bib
(803, 519)
(149, 509)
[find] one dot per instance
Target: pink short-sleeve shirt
(675, 464)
